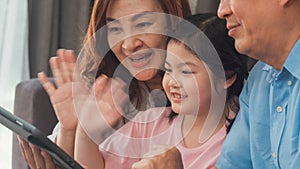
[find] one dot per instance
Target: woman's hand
(34, 156)
(62, 67)
(61, 96)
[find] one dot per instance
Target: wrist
(67, 131)
(65, 139)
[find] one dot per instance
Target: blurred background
(30, 33)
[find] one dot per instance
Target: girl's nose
(173, 82)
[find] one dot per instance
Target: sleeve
(54, 133)
(235, 152)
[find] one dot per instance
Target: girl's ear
(230, 81)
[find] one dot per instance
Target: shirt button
(290, 83)
(279, 109)
(274, 155)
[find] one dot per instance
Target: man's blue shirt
(266, 131)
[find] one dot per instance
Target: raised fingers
(55, 68)
(67, 60)
(119, 95)
(47, 85)
(100, 84)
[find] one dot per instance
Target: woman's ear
(230, 81)
(284, 2)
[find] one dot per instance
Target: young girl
(201, 81)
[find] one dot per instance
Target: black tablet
(35, 136)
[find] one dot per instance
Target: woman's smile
(140, 59)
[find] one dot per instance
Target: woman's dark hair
(102, 61)
(232, 62)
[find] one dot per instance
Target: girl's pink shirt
(128, 145)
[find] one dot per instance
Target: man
(266, 131)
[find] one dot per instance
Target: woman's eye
(114, 30)
(143, 24)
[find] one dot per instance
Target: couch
(33, 105)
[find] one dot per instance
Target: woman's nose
(224, 9)
(131, 44)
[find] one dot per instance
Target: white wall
(13, 63)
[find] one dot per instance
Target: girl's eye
(187, 72)
(143, 24)
(167, 70)
(114, 30)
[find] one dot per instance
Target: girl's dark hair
(232, 62)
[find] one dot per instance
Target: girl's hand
(102, 110)
(111, 98)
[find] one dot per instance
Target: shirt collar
(291, 63)
(267, 68)
(293, 60)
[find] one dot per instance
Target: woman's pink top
(128, 145)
